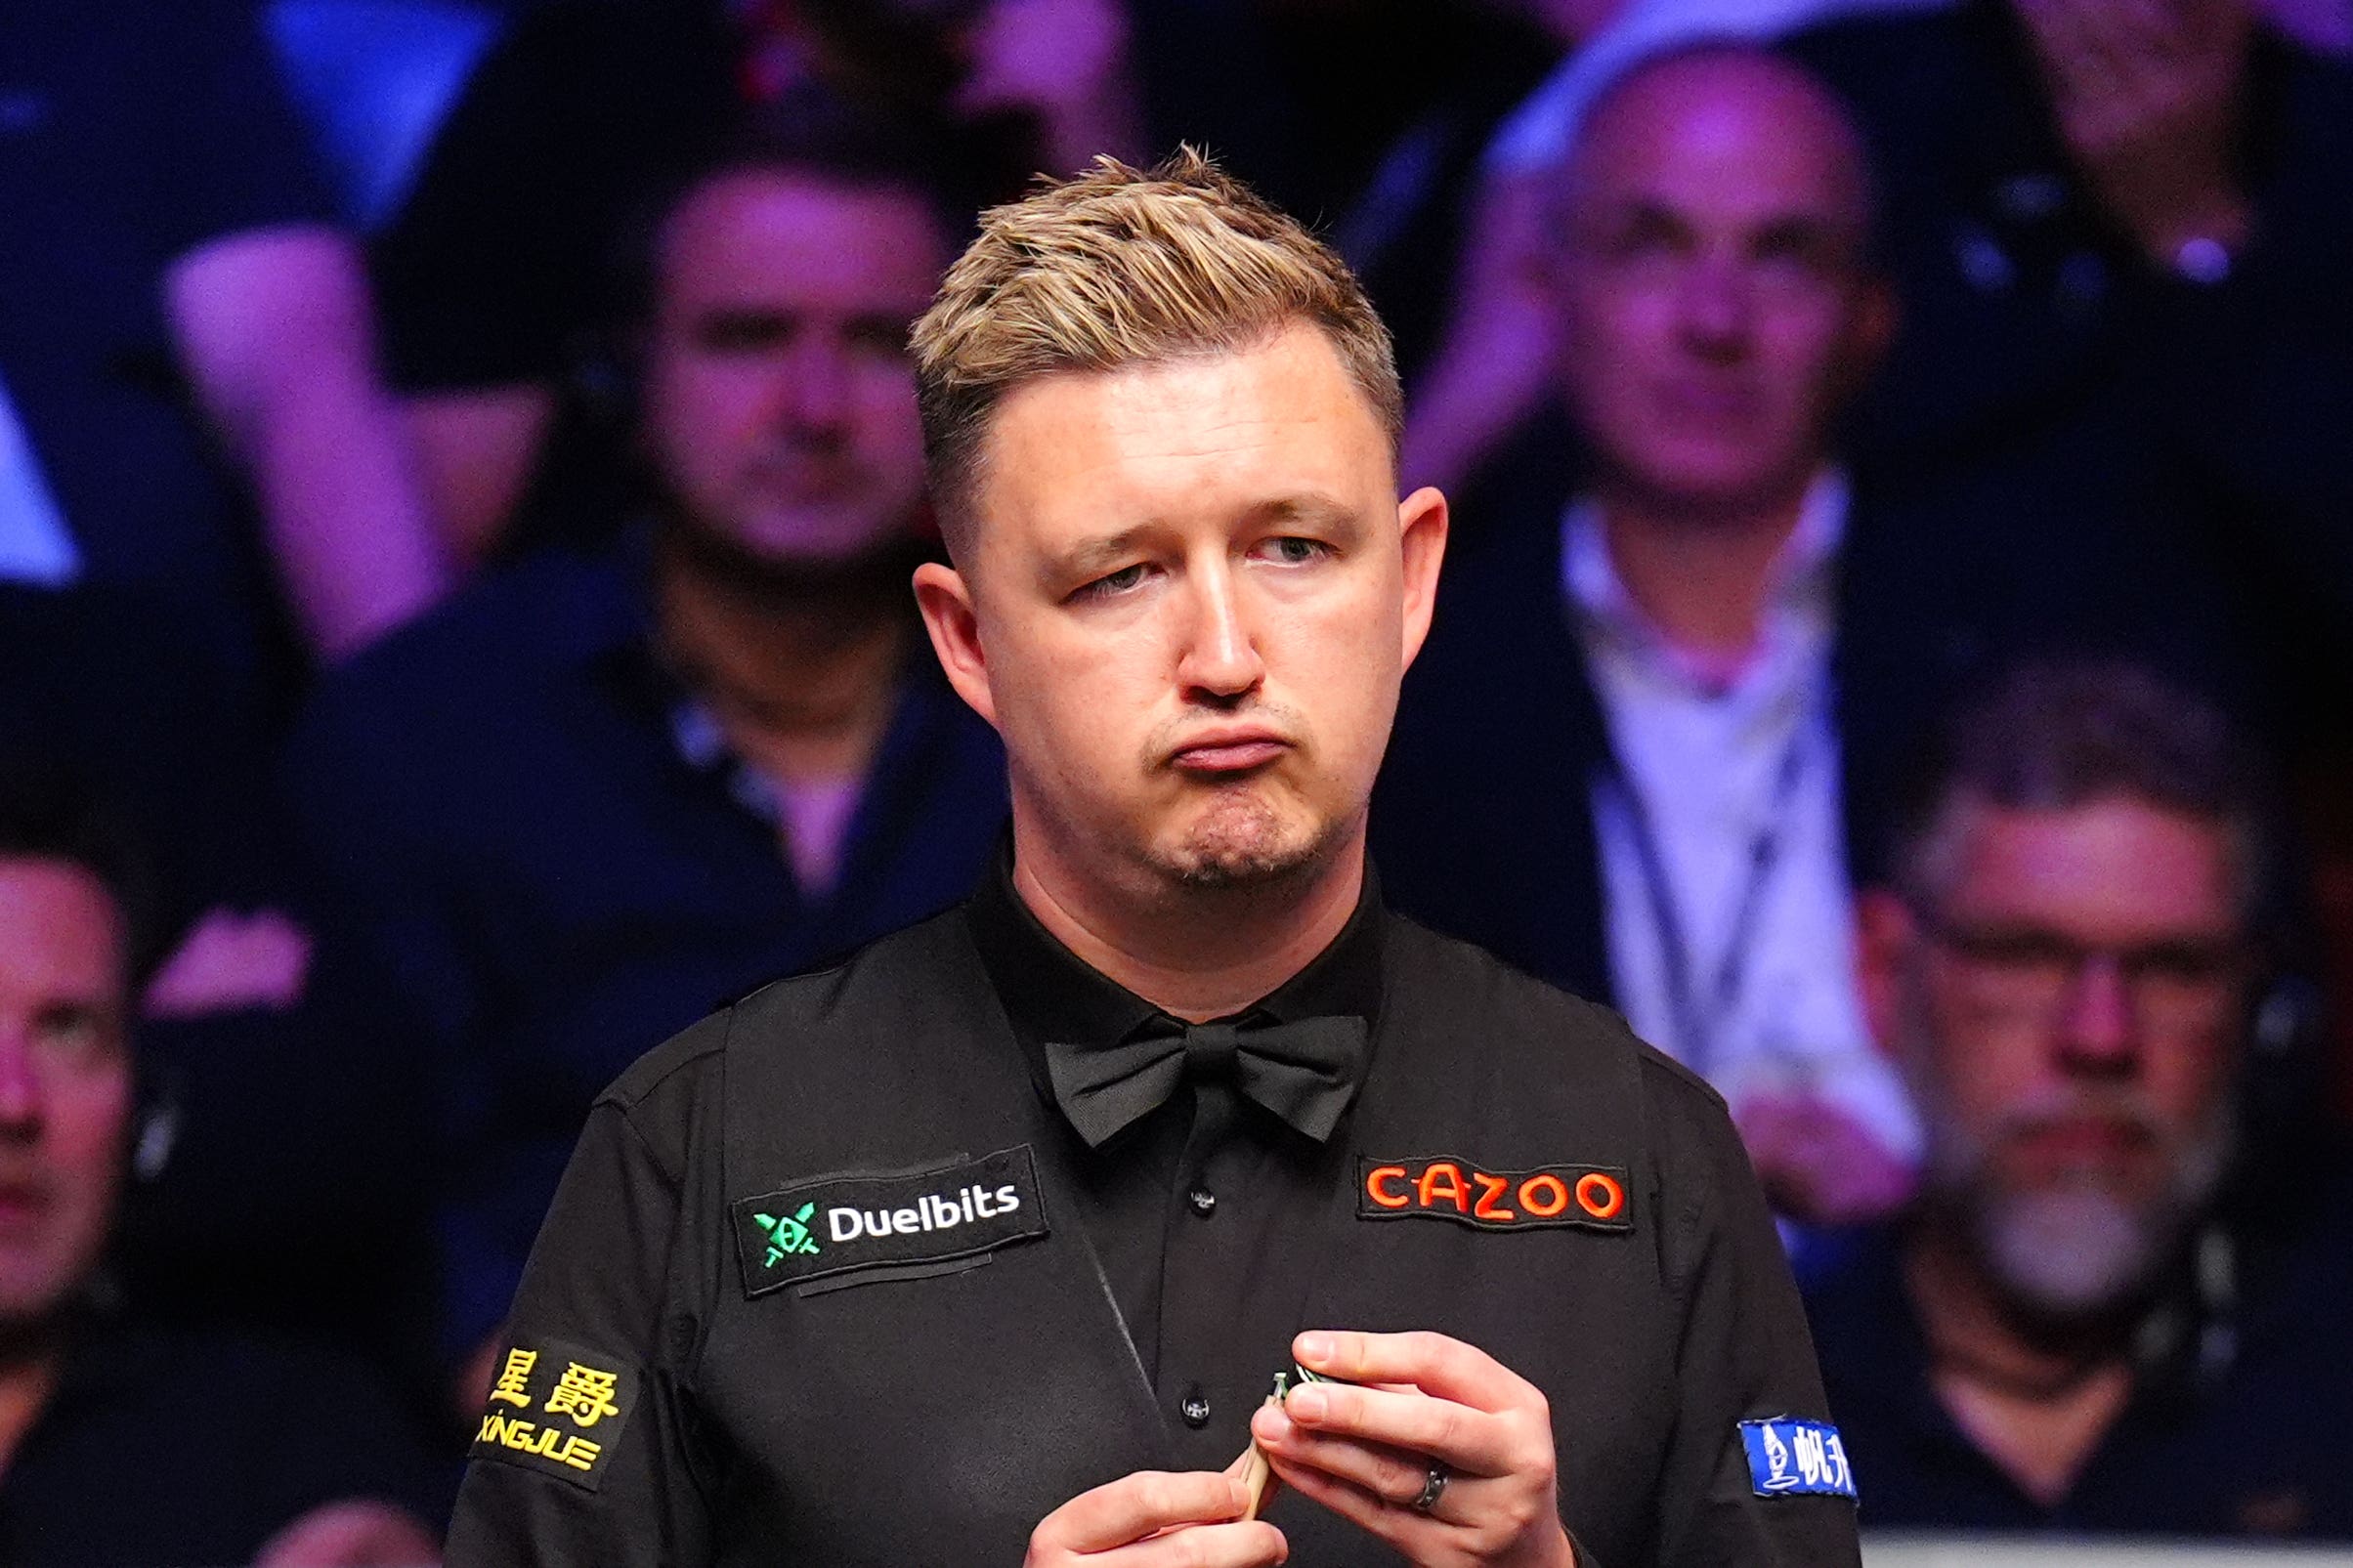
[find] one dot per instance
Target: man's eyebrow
(1312, 510)
(1810, 230)
(1091, 556)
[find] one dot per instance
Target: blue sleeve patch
(1790, 1458)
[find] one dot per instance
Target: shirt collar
(1798, 610)
(1051, 995)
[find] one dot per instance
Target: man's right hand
(1158, 1519)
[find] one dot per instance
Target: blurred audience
(293, 1089)
(1633, 680)
(123, 1443)
(172, 268)
(588, 113)
(2094, 1318)
(597, 794)
(1675, 667)
(2116, 233)
(2120, 233)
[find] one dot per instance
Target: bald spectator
(1684, 639)
(2093, 1318)
(599, 793)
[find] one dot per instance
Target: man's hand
(1818, 1163)
(1367, 1453)
(231, 962)
(353, 1534)
(1158, 1519)
(2148, 95)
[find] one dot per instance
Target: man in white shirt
(1717, 305)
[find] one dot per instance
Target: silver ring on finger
(1434, 1487)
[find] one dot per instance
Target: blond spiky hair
(1121, 267)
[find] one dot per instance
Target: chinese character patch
(1790, 1458)
(558, 1408)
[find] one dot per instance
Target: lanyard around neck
(1699, 1017)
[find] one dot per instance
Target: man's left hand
(1430, 1405)
(1818, 1163)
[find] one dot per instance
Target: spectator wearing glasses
(2085, 1321)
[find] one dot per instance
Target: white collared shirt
(35, 545)
(1716, 768)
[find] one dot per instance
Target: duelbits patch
(1792, 1457)
(558, 1408)
(834, 1226)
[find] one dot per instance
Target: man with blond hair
(987, 1241)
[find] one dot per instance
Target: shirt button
(1194, 1408)
(1203, 1201)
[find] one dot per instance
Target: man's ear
(1885, 932)
(1422, 523)
(946, 601)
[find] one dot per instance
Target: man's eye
(1114, 582)
(1293, 551)
(74, 1034)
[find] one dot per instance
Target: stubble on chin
(1243, 840)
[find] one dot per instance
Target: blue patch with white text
(1790, 1458)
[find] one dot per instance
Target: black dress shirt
(832, 1256)
(1192, 1206)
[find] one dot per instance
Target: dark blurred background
(458, 475)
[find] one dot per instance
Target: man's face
(1193, 592)
(65, 1082)
(1715, 308)
(2068, 1013)
(780, 404)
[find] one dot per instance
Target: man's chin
(1242, 842)
(2073, 1251)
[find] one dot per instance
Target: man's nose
(815, 389)
(2098, 1029)
(1715, 307)
(21, 1096)
(1220, 656)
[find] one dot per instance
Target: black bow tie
(1303, 1072)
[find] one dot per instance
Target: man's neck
(1196, 953)
(801, 682)
(2037, 1404)
(1703, 576)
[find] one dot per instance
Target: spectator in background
(2076, 1326)
(492, 273)
(288, 1202)
(1657, 767)
(121, 1443)
(2120, 233)
(2116, 233)
(595, 795)
(1672, 672)
(168, 265)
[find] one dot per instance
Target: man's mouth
(1228, 751)
(2084, 1142)
(22, 1203)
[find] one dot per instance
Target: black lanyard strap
(1698, 1018)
